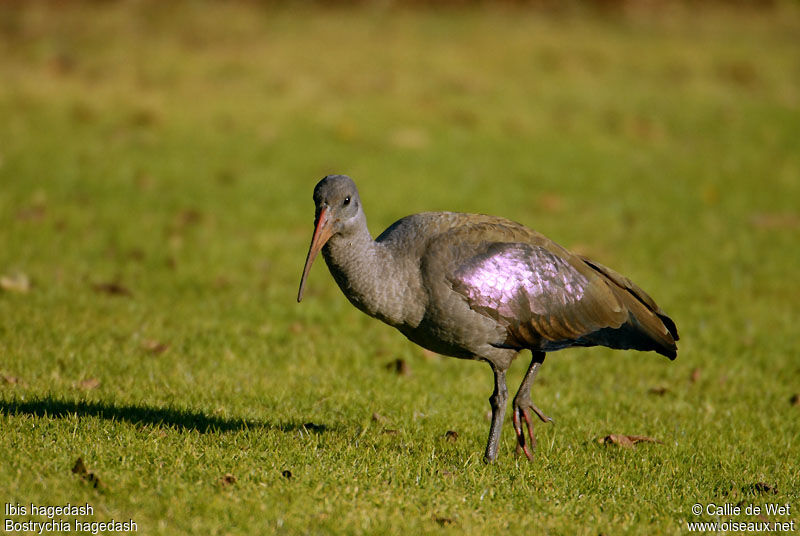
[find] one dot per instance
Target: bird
(480, 287)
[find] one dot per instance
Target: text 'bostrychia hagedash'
(481, 287)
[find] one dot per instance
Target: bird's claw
(539, 413)
(522, 414)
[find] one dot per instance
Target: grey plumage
(481, 287)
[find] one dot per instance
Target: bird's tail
(648, 327)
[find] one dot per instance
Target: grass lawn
(156, 169)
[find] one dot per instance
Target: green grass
(173, 151)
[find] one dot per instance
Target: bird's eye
(346, 201)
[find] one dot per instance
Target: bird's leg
(498, 401)
(523, 406)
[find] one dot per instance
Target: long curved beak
(322, 232)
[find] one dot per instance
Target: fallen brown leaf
(226, 480)
(464, 117)
(188, 217)
(79, 468)
(136, 254)
(551, 202)
(660, 391)
(390, 431)
(112, 288)
(775, 221)
(144, 181)
(443, 521)
(88, 384)
(11, 380)
(17, 282)
(34, 212)
(221, 282)
(626, 441)
(695, 377)
(451, 436)
(377, 417)
(152, 346)
(643, 128)
(760, 488)
(143, 117)
(738, 72)
(61, 64)
(226, 177)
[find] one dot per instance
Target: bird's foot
(539, 413)
(523, 414)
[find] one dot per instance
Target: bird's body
(481, 287)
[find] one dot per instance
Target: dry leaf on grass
(187, 217)
(17, 282)
(660, 391)
(112, 288)
(221, 282)
(296, 328)
(443, 521)
(775, 220)
(626, 441)
(760, 488)
(226, 480)
(550, 202)
(80, 469)
(377, 417)
(695, 376)
(152, 346)
(35, 212)
(10, 380)
(451, 436)
(88, 384)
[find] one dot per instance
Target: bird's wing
(636, 291)
(545, 296)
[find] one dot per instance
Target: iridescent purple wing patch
(517, 281)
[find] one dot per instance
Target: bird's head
(338, 212)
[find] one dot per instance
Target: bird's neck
(365, 271)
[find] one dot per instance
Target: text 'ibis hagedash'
(481, 287)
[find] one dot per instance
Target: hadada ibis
(481, 287)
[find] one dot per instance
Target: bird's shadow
(141, 414)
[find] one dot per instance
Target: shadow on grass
(180, 419)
